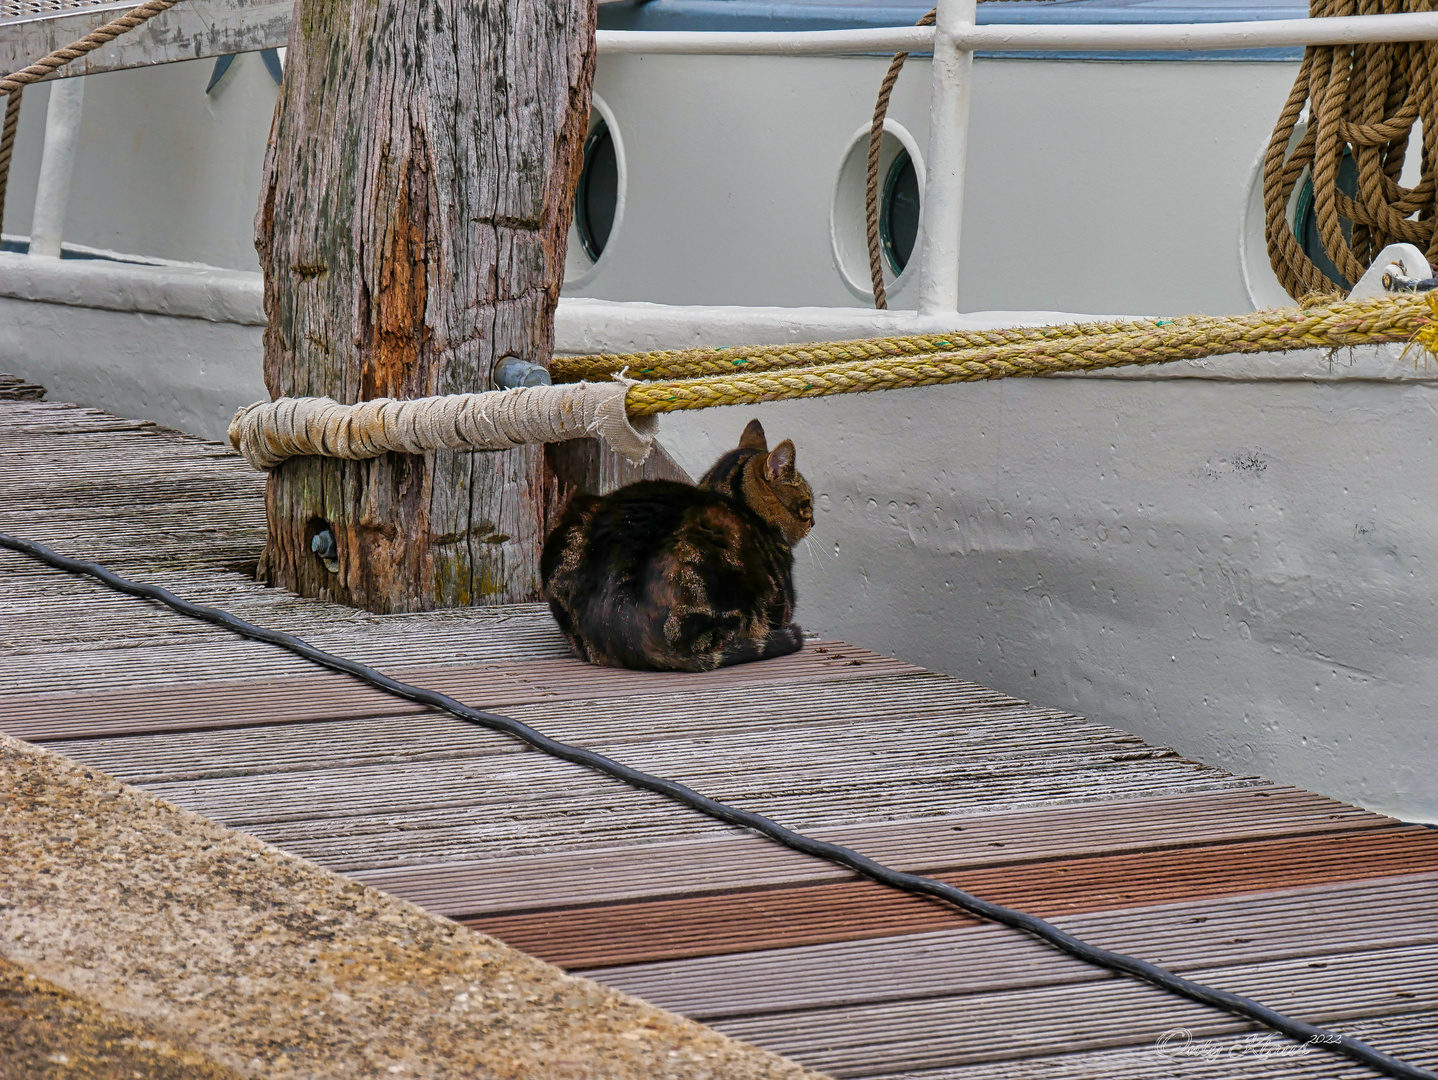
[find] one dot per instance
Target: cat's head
(772, 487)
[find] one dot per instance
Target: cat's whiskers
(809, 547)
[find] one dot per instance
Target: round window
(1305, 219)
(597, 197)
(899, 212)
(900, 203)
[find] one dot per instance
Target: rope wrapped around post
(270, 432)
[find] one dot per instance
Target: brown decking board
(643, 931)
(1226, 1057)
(1314, 906)
(730, 864)
(312, 699)
(977, 958)
(910, 1035)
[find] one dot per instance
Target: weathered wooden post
(412, 225)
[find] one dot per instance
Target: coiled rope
(1362, 100)
(1235, 1004)
(269, 433)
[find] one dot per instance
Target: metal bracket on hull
(1399, 268)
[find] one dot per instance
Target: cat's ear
(780, 463)
(753, 437)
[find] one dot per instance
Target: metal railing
(954, 40)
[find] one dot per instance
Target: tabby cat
(671, 576)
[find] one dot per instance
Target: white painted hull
(1230, 558)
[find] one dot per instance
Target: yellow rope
(770, 373)
(691, 363)
(272, 431)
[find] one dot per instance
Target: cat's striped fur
(681, 577)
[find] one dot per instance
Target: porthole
(1262, 284)
(598, 215)
(899, 212)
(901, 189)
(597, 196)
(1305, 219)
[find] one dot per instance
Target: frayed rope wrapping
(270, 432)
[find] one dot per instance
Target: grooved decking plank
(33, 420)
(402, 791)
(1311, 923)
(1250, 1056)
(390, 736)
(743, 863)
(645, 931)
(944, 1032)
(78, 480)
(109, 643)
(812, 791)
(313, 698)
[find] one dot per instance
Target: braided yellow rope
(924, 361)
(270, 432)
(691, 363)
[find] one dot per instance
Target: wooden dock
(1321, 910)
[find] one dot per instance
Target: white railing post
(948, 150)
(57, 164)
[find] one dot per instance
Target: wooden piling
(417, 194)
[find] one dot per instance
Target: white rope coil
(270, 432)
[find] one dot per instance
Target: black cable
(913, 883)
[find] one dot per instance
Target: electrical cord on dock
(1235, 1004)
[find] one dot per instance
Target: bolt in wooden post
(417, 194)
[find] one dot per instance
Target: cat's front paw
(786, 640)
